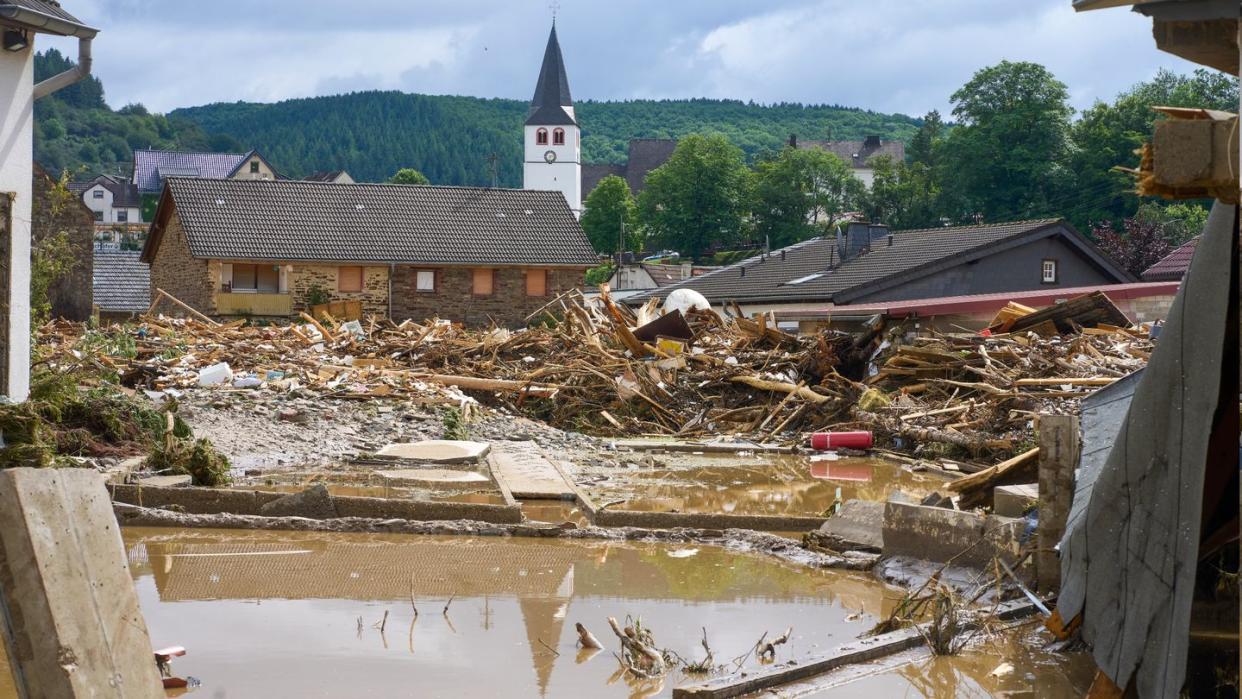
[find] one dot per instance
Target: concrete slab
(433, 477)
(441, 451)
(859, 524)
(1014, 500)
(938, 534)
(527, 473)
(167, 481)
(315, 502)
(72, 627)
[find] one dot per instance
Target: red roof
(1173, 266)
(981, 303)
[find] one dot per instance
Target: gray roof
(552, 89)
(377, 223)
(122, 283)
(646, 154)
(152, 166)
(857, 153)
(811, 271)
(44, 16)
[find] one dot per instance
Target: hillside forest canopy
(1012, 148)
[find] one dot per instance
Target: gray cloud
(889, 55)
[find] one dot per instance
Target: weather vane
(554, 6)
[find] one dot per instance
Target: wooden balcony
(259, 304)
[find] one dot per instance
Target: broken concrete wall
(941, 535)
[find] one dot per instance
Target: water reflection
(295, 614)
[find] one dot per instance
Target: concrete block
(1014, 500)
(315, 503)
(860, 523)
(73, 627)
(174, 481)
(441, 451)
(937, 534)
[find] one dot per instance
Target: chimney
(890, 240)
(872, 143)
(687, 270)
(878, 232)
(793, 140)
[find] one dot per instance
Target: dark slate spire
(552, 90)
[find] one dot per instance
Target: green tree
(926, 143)
(699, 198)
(1178, 222)
(608, 213)
(52, 256)
(904, 196)
(408, 175)
(1007, 158)
(802, 192)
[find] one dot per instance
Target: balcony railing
(259, 304)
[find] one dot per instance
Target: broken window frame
(259, 282)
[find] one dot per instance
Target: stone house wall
(191, 280)
(453, 299)
(52, 212)
(374, 294)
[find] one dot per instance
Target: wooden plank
(1093, 381)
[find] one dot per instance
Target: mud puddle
(758, 485)
(1008, 664)
(296, 614)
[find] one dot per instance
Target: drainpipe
(69, 77)
(392, 269)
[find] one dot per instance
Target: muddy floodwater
(266, 614)
(759, 485)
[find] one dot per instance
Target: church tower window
(558, 137)
(541, 137)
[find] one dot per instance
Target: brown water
(1013, 664)
(267, 614)
(785, 485)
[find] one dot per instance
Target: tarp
(1129, 553)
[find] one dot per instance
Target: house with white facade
(20, 22)
(110, 199)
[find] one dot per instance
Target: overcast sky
(887, 55)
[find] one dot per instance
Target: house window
(349, 279)
(1050, 272)
(541, 137)
(256, 278)
(558, 137)
(536, 282)
(254, 166)
(98, 215)
(98, 194)
(483, 282)
(425, 280)
(122, 216)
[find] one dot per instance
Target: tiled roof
(410, 224)
(801, 272)
(663, 275)
(1173, 266)
(121, 282)
(325, 176)
(857, 153)
(646, 154)
(49, 9)
(152, 166)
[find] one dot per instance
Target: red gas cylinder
(821, 441)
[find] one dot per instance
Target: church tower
(553, 150)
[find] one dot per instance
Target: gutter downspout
(392, 270)
(69, 77)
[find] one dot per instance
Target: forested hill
(449, 139)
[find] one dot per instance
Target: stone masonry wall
(187, 278)
(374, 294)
(55, 211)
(453, 299)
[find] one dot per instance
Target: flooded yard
(757, 485)
(300, 614)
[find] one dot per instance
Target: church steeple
(552, 104)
